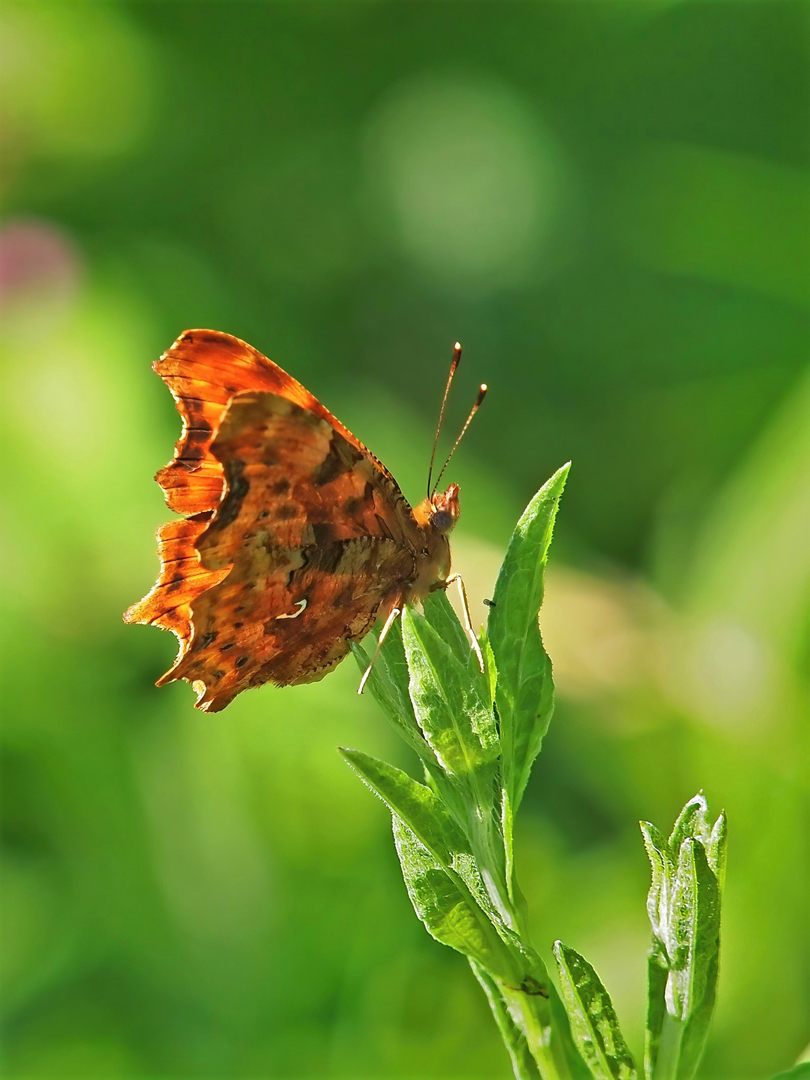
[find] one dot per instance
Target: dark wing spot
(230, 645)
(242, 661)
(195, 449)
(209, 339)
(352, 505)
(206, 641)
(286, 511)
(281, 487)
(323, 533)
(237, 489)
(334, 464)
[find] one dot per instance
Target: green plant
(477, 735)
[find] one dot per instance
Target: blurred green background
(607, 203)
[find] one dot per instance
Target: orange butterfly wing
(295, 535)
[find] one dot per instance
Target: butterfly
(294, 538)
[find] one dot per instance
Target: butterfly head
(444, 509)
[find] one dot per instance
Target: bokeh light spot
(75, 80)
(732, 677)
(464, 177)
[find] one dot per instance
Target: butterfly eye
(442, 520)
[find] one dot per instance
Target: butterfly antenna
(482, 393)
(453, 365)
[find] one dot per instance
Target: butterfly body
(295, 537)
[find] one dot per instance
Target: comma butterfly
(295, 539)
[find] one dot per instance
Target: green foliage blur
(607, 203)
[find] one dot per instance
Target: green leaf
(662, 873)
(693, 821)
(524, 694)
(491, 671)
(523, 1064)
(441, 616)
(388, 685)
(429, 823)
(694, 957)
(447, 909)
(798, 1072)
(454, 712)
(594, 1024)
(684, 909)
(415, 803)
(451, 709)
(716, 851)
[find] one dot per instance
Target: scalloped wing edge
(203, 370)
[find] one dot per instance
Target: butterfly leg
(466, 617)
(389, 622)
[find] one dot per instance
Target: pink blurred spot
(39, 264)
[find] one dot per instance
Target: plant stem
(529, 1005)
(532, 1014)
(669, 1049)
